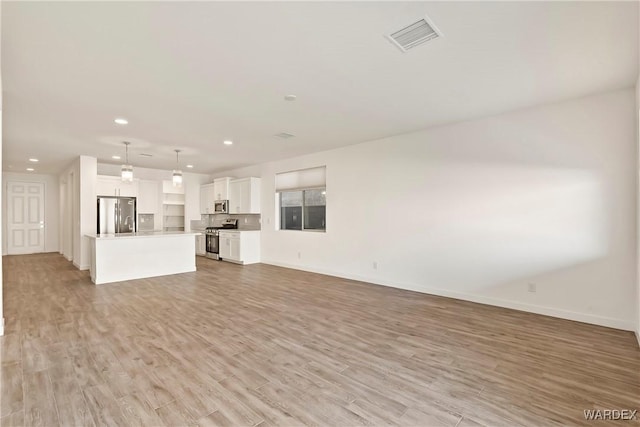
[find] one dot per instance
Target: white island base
(119, 257)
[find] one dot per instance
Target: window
(302, 208)
(291, 210)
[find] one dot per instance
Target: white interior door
(25, 217)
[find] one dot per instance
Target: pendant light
(126, 172)
(177, 173)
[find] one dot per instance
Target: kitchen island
(128, 256)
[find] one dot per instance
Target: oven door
(213, 244)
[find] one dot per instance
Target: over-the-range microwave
(221, 207)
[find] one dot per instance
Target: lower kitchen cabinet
(201, 245)
(242, 247)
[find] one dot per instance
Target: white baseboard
(81, 267)
(547, 311)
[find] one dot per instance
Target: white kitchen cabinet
(244, 196)
(201, 246)
(148, 192)
(241, 247)
(105, 186)
(128, 189)
(114, 186)
(207, 197)
(169, 188)
(221, 188)
(224, 250)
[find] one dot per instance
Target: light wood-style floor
(262, 345)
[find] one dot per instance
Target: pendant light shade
(177, 173)
(126, 171)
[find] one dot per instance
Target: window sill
(302, 231)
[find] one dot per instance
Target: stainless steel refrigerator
(116, 215)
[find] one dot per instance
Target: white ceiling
(189, 75)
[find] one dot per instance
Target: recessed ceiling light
(115, 157)
(228, 142)
(34, 160)
(290, 97)
(121, 121)
(30, 169)
(190, 166)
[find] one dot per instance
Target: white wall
(68, 192)
(51, 207)
(637, 117)
(1, 219)
(190, 181)
(480, 209)
(637, 157)
(78, 214)
(88, 208)
(1, 195)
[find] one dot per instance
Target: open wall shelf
(172, 209)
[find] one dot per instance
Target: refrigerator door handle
(116, 219)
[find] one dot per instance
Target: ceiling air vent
(284, 135)
(414, 35)
(146, 155)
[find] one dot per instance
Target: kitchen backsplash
(145, 222)
(200, 225)
(245, 222)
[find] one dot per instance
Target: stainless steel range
(213, 240)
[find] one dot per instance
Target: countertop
(141, 234)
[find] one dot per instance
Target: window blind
(302, 179)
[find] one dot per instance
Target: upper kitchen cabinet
(148, 197)
(221, 188)
(207, 198)
(169, 188)
(114, 186)
(244, 196)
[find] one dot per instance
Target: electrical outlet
(532, 287)
(375, 265)
(299, 255)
